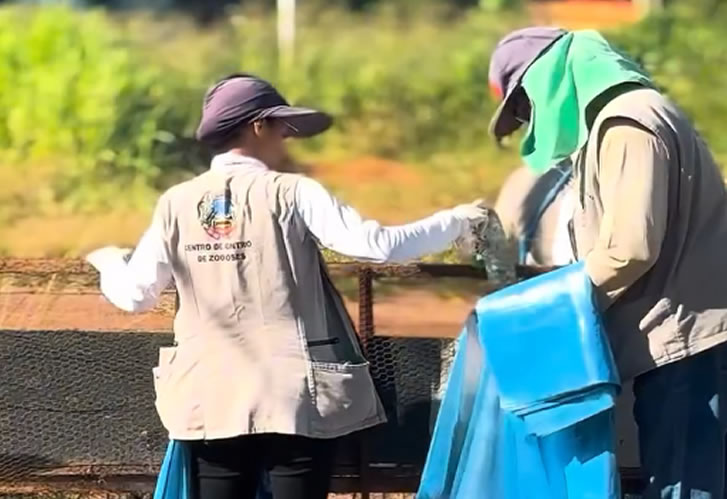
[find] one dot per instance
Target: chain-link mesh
(409, 376)
(82, 403)
(78, 403)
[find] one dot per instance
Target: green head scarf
(561, 83)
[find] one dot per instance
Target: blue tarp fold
(174, 474)
(528, 411)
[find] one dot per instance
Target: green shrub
(683, 49)
(398, 87)
(73, 93)
(107, 105)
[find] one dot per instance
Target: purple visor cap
(512, 57)
(241, 99)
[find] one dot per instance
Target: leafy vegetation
(98, 110)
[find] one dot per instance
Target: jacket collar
(229, 160)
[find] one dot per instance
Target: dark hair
(225, 144)
(234, 135)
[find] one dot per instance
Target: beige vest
(679, 307)
(263, 342)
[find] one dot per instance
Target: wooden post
(286, 36)
(365, 332)
(647, 7)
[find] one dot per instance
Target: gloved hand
(108, 255)
(473, 212)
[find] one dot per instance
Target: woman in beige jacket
(266, 370)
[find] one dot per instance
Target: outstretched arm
(135, 286)
(340, 228)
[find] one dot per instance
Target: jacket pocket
(161, 372)
(344, 393)
(654, 318)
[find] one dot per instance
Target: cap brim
(302, 121)
(503, 122)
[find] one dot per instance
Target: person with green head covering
(650, 223)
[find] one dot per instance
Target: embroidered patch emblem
(217, 214)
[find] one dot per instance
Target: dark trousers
(681, 412)
(298, 467)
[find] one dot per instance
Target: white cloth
(135, 286)
(562, 249)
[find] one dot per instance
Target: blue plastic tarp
(173, 481)
(528, 411)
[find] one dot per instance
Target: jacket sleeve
(340, 228)
(633, 179)
(136, 285)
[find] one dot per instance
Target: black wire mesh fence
(77, 407)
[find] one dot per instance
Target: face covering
(561, 84)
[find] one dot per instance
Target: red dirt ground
(51, 294)
(398, 315)
(584, 14)
(368, 170)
